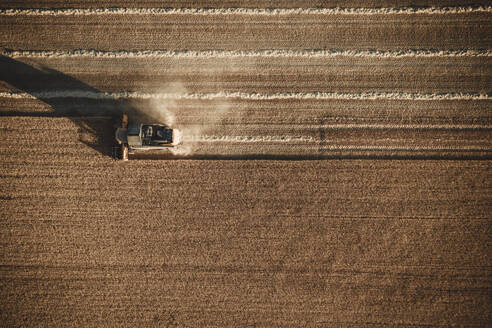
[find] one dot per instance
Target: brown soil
(268, 223)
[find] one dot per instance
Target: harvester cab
(138, 137)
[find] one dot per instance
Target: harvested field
(335, 169)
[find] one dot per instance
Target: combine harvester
(144, 138)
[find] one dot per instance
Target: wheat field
(335, 167)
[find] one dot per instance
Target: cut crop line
(402, 127)
(404, 149)
(306, 139)
(244, 11)
(309, 53)
(251, 139)
(246, 95)
(350, 126)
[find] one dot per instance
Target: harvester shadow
(96, 118)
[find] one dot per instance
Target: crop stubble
(86, 240)
(271, 242)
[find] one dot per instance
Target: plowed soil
(350, 187)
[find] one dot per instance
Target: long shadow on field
(95, 131)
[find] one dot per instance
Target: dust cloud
(196, 118)
(202, 121)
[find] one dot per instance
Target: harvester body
(138, 137)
